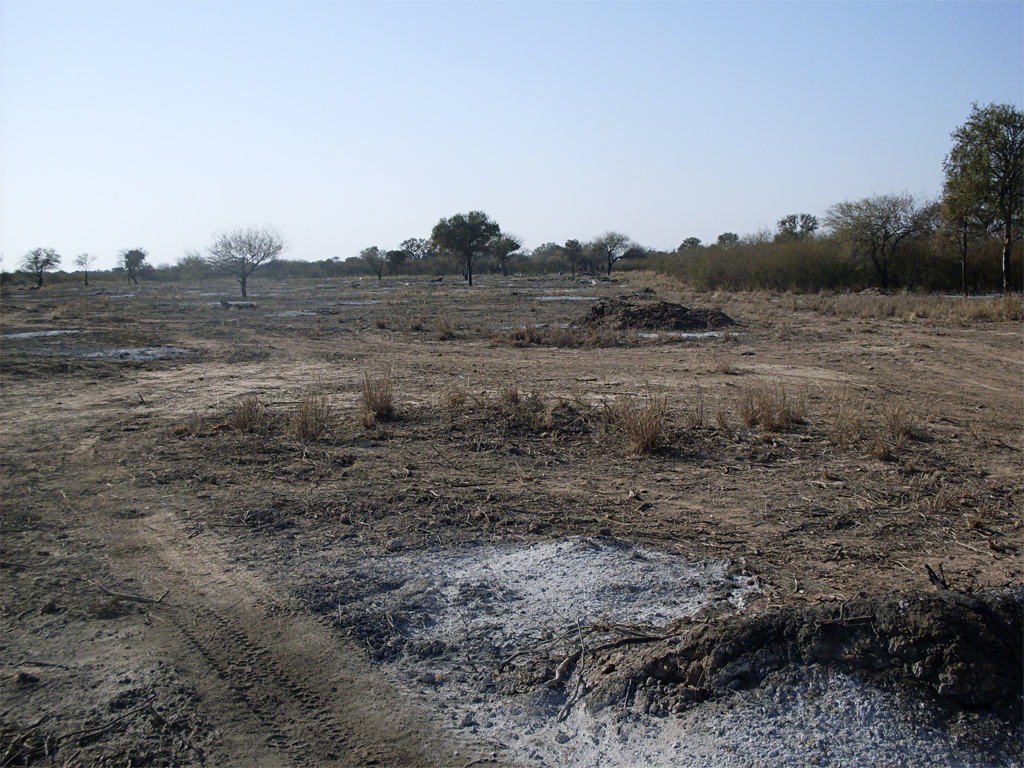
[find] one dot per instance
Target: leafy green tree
(502, 248)
(418, 248)
(985, 174)
(375, 259)
(240, 252)
(133, 259)
(728, 238)
(880, 229)
(690, 243)
(466, 236)
(83, 261)
(38, 261)
(395, 259)
(573, 250)
(796, 227)
(612, 246)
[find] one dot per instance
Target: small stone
(467, 720)
(395, 544)
(562, 738)
(428, 678)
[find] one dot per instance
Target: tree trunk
(241, 282)
(1007, 247)
(469, 269)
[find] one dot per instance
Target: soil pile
(957, 650)
(643, 312)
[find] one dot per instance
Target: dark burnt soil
(956, 651)
(642, 312)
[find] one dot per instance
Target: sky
(349, 124)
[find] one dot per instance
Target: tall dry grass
(377, 397)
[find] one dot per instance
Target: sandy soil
(174, 590)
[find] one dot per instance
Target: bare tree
(612, 246)
(83, 261)
(133, 260)
(38, 260)
(241, 252)
(878, 229)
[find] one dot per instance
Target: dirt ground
(156, 581)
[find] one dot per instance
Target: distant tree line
(968, 240)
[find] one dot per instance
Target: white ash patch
(444, 623)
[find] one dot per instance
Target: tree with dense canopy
(689, 244)
(466, 236)
(133, 260)
(395, 259)
(375, 259)
(612, 246)
(796, 227)
(985, 175)
(573, 250)
(38, 261)
(879, 229)
(502, 248)
(241, 252)
(728, 238)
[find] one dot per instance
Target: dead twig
(88, 734)
(125, 596)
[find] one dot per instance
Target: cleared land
(205, 527)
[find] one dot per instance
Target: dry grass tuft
(845, 423)
(694, 415)
(641, 420)
(445, 329)
(250, 415)
(901, 424)
(771, 408)
(313, 419)
(191, 426)
(377, 398)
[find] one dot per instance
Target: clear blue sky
(350, 124)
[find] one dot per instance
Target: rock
(395, 544)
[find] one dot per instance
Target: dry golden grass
(771, 408)
(249, 415)
(641, 420)
(909, 307)
(313, 419)
(445, 329)
(377, 397)
(845, 419)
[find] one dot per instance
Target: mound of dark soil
(642, 313)
(957, 650)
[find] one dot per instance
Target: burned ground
(178, 591)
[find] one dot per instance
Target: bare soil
(161, 569)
